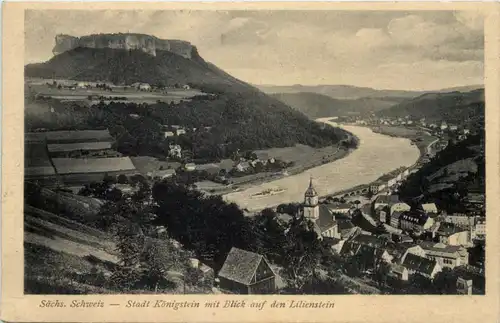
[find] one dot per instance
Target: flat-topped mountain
(146, 43)
(241, 117)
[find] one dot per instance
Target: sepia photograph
(269, 152)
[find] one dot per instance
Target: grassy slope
(60, 252)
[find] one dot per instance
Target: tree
(114, 194)
(381, 273)
(143, 193)
(445, 282)
(288, 208)
(268, 234)
(302, 254)
(122, 179)
(420, 284)
(157, 259)
(131, 242)
(108, 180)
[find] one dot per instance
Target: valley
(151, 170)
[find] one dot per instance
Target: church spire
(310, 190)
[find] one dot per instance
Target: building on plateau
(246, 272)
(321, 217)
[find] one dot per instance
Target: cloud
(368, 48)
(471, 19)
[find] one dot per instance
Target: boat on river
(271, 191)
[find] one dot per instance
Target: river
(376, 155)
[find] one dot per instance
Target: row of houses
(406, 258)
(454, 229)
(425, 258)
(390, 180)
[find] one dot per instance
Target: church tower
(311, 207)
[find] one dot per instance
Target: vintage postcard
(307, 162)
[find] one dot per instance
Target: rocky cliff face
(146, 43)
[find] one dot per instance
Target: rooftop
(387, 199)
(338, 206)
(441, 247)
(419, 264)
(325, 220)
(240, 265)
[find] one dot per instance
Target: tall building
(311, 203)
(323, 220)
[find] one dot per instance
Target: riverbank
(420, 138)
(376, 155)
(308, 158)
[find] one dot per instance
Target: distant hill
(316, 105)
(355, 92)
(241, 116)
(451, 106)
(339, 91)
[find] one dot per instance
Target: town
(149, 170)
(378, 242)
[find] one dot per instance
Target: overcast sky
(390, 50)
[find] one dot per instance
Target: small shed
(246, 272)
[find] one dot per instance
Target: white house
(391, 182)
(180, 131)
(377, 187)
(164, 173)
(144, 87)
(423, 266)
(455, 238)
(190, 166)
(446, 255)
(82, 85)
(242, 166)
(400, 207)
(342, 208)
(175, 151)
(415, 221)
(430, 208)
(169, 134)
(480, 229)
(400, 272)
